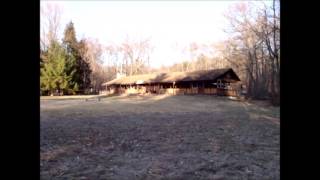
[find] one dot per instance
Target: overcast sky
(170, 25)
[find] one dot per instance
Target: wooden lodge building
(215, 82)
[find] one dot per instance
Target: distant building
(215, 82)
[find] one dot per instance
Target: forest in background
(72, 66)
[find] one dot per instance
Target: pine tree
(57, 72)
(82, 74)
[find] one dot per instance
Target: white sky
(170, 25)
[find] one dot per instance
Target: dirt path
(159, 137)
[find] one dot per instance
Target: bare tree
(115, 65)
(113, 56)
(128, 58)
(92, 52)
(50, 17)
(255, 40)
(136, 56)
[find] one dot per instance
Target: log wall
(174, 91)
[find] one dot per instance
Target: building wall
(158, 89)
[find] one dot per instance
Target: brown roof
(199, 75)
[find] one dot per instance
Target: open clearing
(159, 137)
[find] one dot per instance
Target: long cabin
(215, 82)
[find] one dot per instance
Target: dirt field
(159, 137)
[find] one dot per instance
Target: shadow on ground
(159, 137)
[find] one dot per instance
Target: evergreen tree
(57, 71)
(84, 65)
(82, 74)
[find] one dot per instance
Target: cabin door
(201, 88)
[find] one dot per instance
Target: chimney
(119, 75)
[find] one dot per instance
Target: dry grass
(159, 137)
(71, 97)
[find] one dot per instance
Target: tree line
(68, 65)
(254, 47)
(252, 50)
(64, 67)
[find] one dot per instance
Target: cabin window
(220, 84)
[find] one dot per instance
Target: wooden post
(174, 90)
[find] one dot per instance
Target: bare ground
(159, 137)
